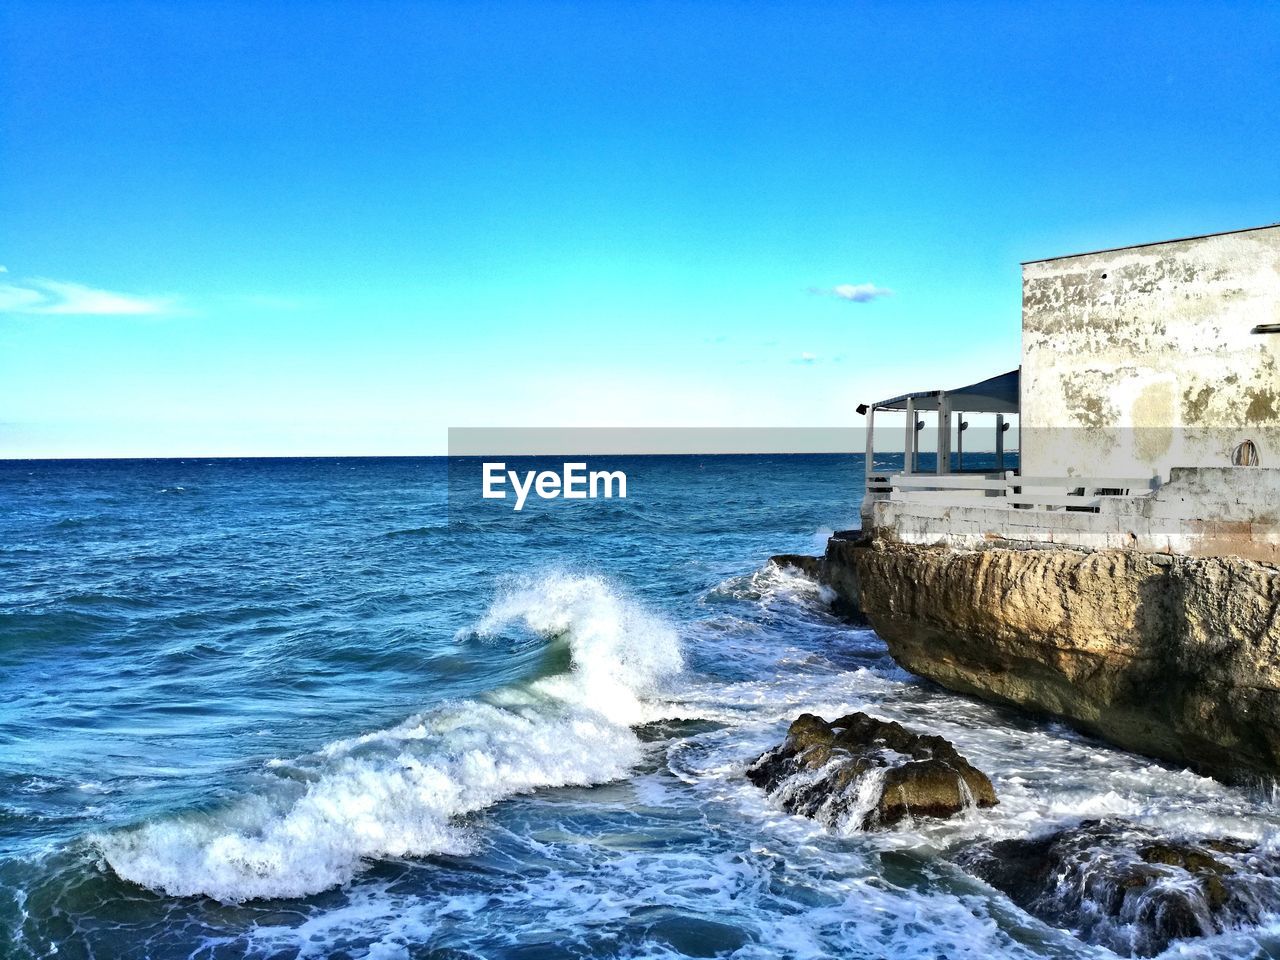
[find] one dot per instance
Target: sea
(347, 708)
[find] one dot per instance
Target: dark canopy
(993, 395)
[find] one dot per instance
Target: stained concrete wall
(1135, 361)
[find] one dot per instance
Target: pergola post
(869, 463)
(909, 443)
(1000, 441)
(943, 464)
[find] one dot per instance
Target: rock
(1175, 657)
(840, 574)
(810, 566)
(831, 572)
(1119, 885)
(867, 773)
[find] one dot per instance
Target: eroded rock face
(1121, 886)
(867, 773)
(1176, 657)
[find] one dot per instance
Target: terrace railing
(1008, 490)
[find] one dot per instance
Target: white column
(944, 434)
(909, 444)
(867, 466)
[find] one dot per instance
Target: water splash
(399, 792)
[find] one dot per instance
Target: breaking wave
(402, 791)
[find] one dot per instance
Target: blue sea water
(321, 708)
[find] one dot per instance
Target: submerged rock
(1119, 885)
(867, 773)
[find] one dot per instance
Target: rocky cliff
(1175, 657)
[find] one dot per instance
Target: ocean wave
(431, 531)
(453, 526)
(772, 586)
(74, 523)
(401, 792)
(24, 634)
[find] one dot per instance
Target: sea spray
(399, 792)
(621, 653)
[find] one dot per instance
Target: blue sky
(340, 228)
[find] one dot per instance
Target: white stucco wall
(1135, 361)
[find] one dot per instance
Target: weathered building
(1149, 409)
(1145, 358)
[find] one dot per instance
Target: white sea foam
(728, 901)
(773, 585)
(622, 653)
(399, 792)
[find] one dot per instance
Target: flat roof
(1155, 243)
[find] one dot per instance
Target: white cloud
(807, 357)
(41, 296)
(853, 292)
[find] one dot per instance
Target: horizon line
(474, 456)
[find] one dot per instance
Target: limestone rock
(1120, 885)
(810, 566)
(867, 773)
(1176, 657)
